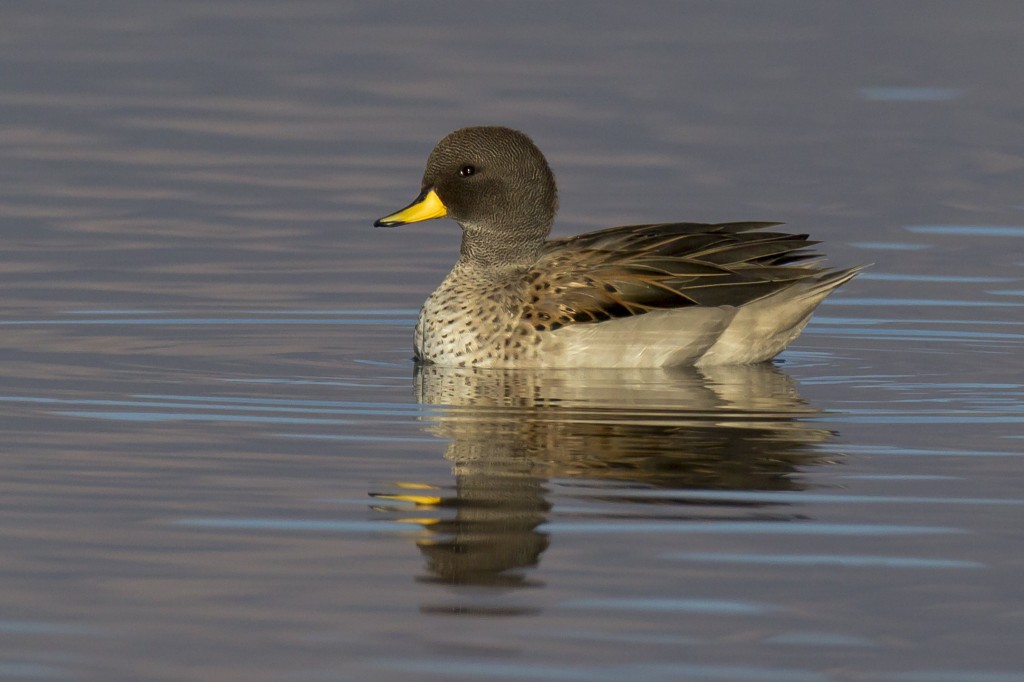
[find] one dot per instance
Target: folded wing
(628, 271)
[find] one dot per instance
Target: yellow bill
(426, 206)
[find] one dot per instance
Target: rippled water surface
(220, 463)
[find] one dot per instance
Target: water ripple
(910, 94)
(300, 525)
(970, 230)
(650, 672)
(901, 451)
(748, 527)
(820, 560)
(668, 605)
(785, 497)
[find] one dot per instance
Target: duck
(636, 296)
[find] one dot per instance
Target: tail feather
(832, 280)
(761, 330)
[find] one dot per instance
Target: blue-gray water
(219, 464)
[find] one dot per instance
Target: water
(219, 462)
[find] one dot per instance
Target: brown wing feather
(631, 270)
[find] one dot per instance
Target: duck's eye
(466, 171)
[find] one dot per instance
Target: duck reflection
(512, 432)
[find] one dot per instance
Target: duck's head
(493, 181)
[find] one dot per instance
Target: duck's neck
(483, 249)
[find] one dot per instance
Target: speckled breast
(472, 321)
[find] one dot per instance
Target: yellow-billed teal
(637, 296)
